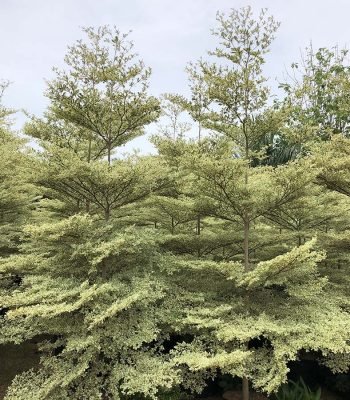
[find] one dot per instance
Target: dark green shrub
(174, 394)
(297, 391)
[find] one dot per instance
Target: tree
(317, 93)
(144, 274)
(236, 87)
(104, 89)
(172, 108)
(332, 160)
(232, 325)
(252, 322)
(18, 198)
(86, 266)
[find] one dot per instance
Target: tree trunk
(89, 150)
(299, 240)
(109, 154)
(198, 224)
(88, 160)
(245, 388)
(246, 244)
(107, 213)
(245, 382)
(198, 216)
(198, 233)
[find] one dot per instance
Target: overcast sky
(34, 35)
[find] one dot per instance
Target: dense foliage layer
(227, 254)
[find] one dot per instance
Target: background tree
(317, 93)
(18, 196)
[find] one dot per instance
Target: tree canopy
(223, 254)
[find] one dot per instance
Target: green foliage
(297, 391)
(220, 256)
(317, 92)
(104, 89)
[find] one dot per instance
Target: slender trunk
(299, 240)
(198, 216)
(172, 225)
(104, 271)
(87, 206)
(107, 212)
(198, 225)
(246, 229)
(246, 243)
(245, 388)
(109, 154)
(246, 217)
(198, 233)
(245, 381)
(89, 150)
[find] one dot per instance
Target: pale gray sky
(34, 35)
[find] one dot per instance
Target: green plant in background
(297, 391)
(174, 394)
(228, 382)
(342, 383)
